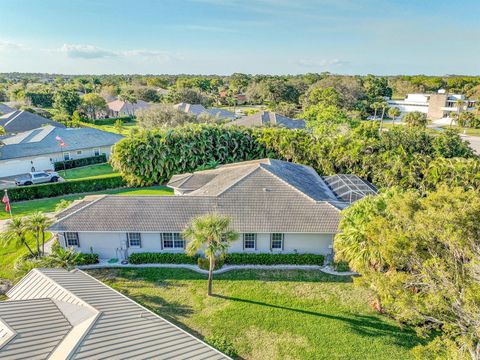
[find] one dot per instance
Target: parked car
(38, 177)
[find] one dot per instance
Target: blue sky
(250, 36)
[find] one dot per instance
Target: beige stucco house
(276, 206)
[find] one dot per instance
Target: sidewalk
(326, 269)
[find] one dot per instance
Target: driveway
(8, 182)
(474, 142)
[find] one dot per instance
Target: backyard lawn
(88, 172)
(23, 208)
(126, 127)
(269, 314)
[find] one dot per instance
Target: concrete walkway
(326, 269)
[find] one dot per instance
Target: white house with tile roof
(276, 206)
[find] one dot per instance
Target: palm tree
(375, 106)
(459, 104)
(2, 131)
(38, 222)
(211, 233)
(16, 232)
(383, 105)
(393, 112)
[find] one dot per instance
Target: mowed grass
(467, 131)
(88, 172)
(126, 127)
(11, 252)
(24, 208)
(270, 314)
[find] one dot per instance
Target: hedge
(162, 258)
(86, 259)
(274, 259)
(111, 121)
(70, 164)
(230, 259)
(204, 263)
(64, 188)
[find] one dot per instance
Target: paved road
(474, 142)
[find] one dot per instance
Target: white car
(38, 177)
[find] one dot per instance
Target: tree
(416, 119)
(285, 109)
(16, 232)
(2, 131)
(93, 104)
(211, 233)
(421, 257)
(383, 105)
(190, 96)
(459, 105)
(325, 119)
(393, 112)
(66, 101)
(325, 96)
(38, 222)
(375, 106)
(160, 115)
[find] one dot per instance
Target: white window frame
(277, 237)
(71, 239)
(248, 237)
(133, 236)
(66, 154)
(175, 239)
(96, 152)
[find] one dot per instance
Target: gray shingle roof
(5, 109)
(105, 323)
(19, 121)
(42, 141)
(268, 118)
(198, 109)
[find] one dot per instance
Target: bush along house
(276, 206)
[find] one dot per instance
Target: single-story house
(118, 108)
(5, 109)
(268, 118)
(19, 121)
(39, 149)
(198, 109)
(60, 314)
(276, 206)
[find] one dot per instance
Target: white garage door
(22, 166)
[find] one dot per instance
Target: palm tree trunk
(28, 248)
(210, 276)
(43, 242)
(375, 115)
(37, 237)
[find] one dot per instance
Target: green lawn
(24, 208)
(468, 131)
(111, 128)
(88, 172)
(270, 314)
(8, 255)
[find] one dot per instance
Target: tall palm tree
(16, 232)
(38, 222)
(393, 112)
(211, 233)
(459, 105)
(375, 106)
(383, 105)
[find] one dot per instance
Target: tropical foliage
(421, 257)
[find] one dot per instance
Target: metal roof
(103, 322)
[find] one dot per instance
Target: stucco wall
(108, 245)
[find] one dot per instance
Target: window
(277, 242)
(79, 152)
(134, 239)
(66, 156)
(40, 175)
(71, 239)
(96, 152)
(249, 241)
(172, 241)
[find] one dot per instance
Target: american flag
(62, 143)
(6, 201)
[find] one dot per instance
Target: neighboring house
(38, 149)
(5, 109)
(60, 314)
(276, 206)
(198, 109)
(268, 118)
(19, 121)
(436, 106)
(124, 108)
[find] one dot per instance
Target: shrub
(64, 188)
(70, 164)
(221, 343)
(86, 259)
(274, 259)
(162, 258)
(341, 266)
(204, 263)
(111, 121)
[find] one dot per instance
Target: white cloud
(8, 46)
(82, 51)
(86, 51)
(319, 63)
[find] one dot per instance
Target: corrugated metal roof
(122, 329)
